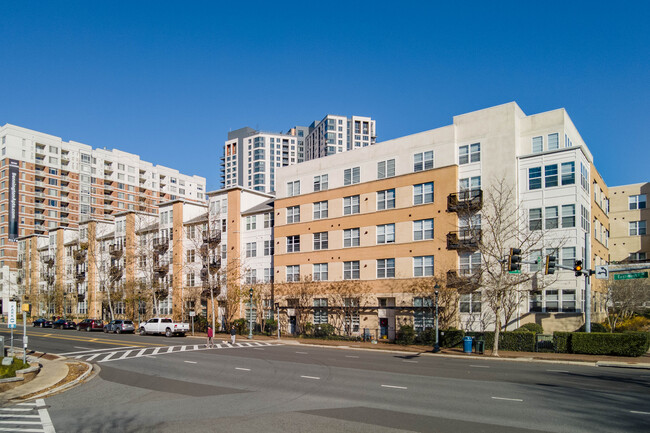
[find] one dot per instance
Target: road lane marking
(46, 421)
(125, 354)
(394, 386)
(506, 399)
(351, 356)
(408, 360)
(302, 353)
(242, 369)
(191, 362)
(80, 347)
(110, 355)
(95, 350)
(155, 351)
(639, 412)
(140, 353)
(16, 409)
(480, 366)
(26, 404)
(21, 422)
(93, 357)
(310, 377)
(558, 371)
(8, 415)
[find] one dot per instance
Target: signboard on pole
(12, 314)
(602, 272)
(631, 276)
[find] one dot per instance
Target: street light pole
(250, 313)
(436, 347)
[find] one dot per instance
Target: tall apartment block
(388, 215)
(629, 222)
(251, 158)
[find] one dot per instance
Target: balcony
(161, 245)
(79, 256)
(48, 260)
(116, 251)
(115, 273)
(39, 205)
(80, 276)
(468, 239)
(468, 201)
(465, 280)
(212, 241)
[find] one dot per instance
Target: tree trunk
(497, 332)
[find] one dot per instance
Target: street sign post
(602, 272)
(631, 276)
(12, 314)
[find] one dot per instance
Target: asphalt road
(174, 384)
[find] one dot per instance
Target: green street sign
(515, 272)
(631, 276)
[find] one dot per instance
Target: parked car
(90, 325)
(119, 326)
(42, 323)
(166, 326)
(64, 324)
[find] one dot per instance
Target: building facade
(630, 241)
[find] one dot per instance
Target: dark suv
(90, 325)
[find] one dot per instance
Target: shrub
(309, 328)
(426, 337)
(562, 342)
(634, 324)
(241, 326)
(271, 326)
(323, 330)
(597, 343)
(531, 327)
(595, 327)
(405, 335)
(451, 337)
(10, 370)
(515, 341)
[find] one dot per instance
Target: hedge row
(602, 343)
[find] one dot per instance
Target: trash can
(480, 347)
(467, 344)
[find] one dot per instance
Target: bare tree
(626, 298)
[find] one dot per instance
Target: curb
(65, 386)
(622, 365)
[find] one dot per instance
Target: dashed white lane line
(394, 387)
(480, 366)
(506, 399)
(242, 369)
(558, 371)
(351, 356)
(257, 348)
(79, 347)
(408, 360)
(310, 377)
(639, 412)
(302, 353)
(191, 362)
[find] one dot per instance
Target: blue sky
(168, 80)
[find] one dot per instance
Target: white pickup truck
(162, 325)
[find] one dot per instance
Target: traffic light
(514, 260)
(550, 265)
(577, 267)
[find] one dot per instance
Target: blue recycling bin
(467, 344)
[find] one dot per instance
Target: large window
(423, 266)
(568, 215)
(293, 273)
(637, 201)
(568, 256)
(423, 193)
(553, 141)
(268, 248)
(320, 311)
(423, 229)
(351, 176)
(535, 178)
(293, 188)
(320, 210)
(251, 222)
(386, 234)
(568, 173)
(535, 219)
(551, 217)
(550, 176)
(470, 302)
(637, 228)
(351, 270)
(293, 214)
(385, 169)
(320, 241)
(320, 272)
(470, 153)
(351, 237)
(268, 220)
(423, 161)
(470, 263)
(423, 313)
(386, 268)
(251, 249)
(320, 183)
(351, 205)
(386, 199)
(538, 144)
(293, 244)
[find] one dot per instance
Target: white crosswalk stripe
(124, 353)
(26, 417)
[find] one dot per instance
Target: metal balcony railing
(470, 200)
(468, 239)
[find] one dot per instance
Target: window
(568, 256)
(568, 301)
(637, 257)
(471, 153)
(423, 193)
(386, 268)
(320, 183)
(584, 218)
(386, 234)
(637, 228)
(268, 220)
(423, 161)
(568, 173)
(637, 201)
(553, 141)
(422, 229)
(538, 144)
(423, 314)
(584, 176)
(268, 248)
(320, 210)
(470, 303)
(386, 199)
(320, 311)
(470, 263)
(190, 279)
(293, 273)
(351, 270)
(351, 176)
(293, 214)
(293, 244)
(251, 222)
(551, 215)
(320, 272)
(190, 256)
(568, 215)
(534, 178)
(293, 188)
(385, 169)
(535, 301)
(351, 205)
(550, 175)
(423, 266)
(535, 219)
(469, 183)
(552, 300)
(251, 249)
(351, 237)
(320, 241)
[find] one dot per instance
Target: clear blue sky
(168, 80)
